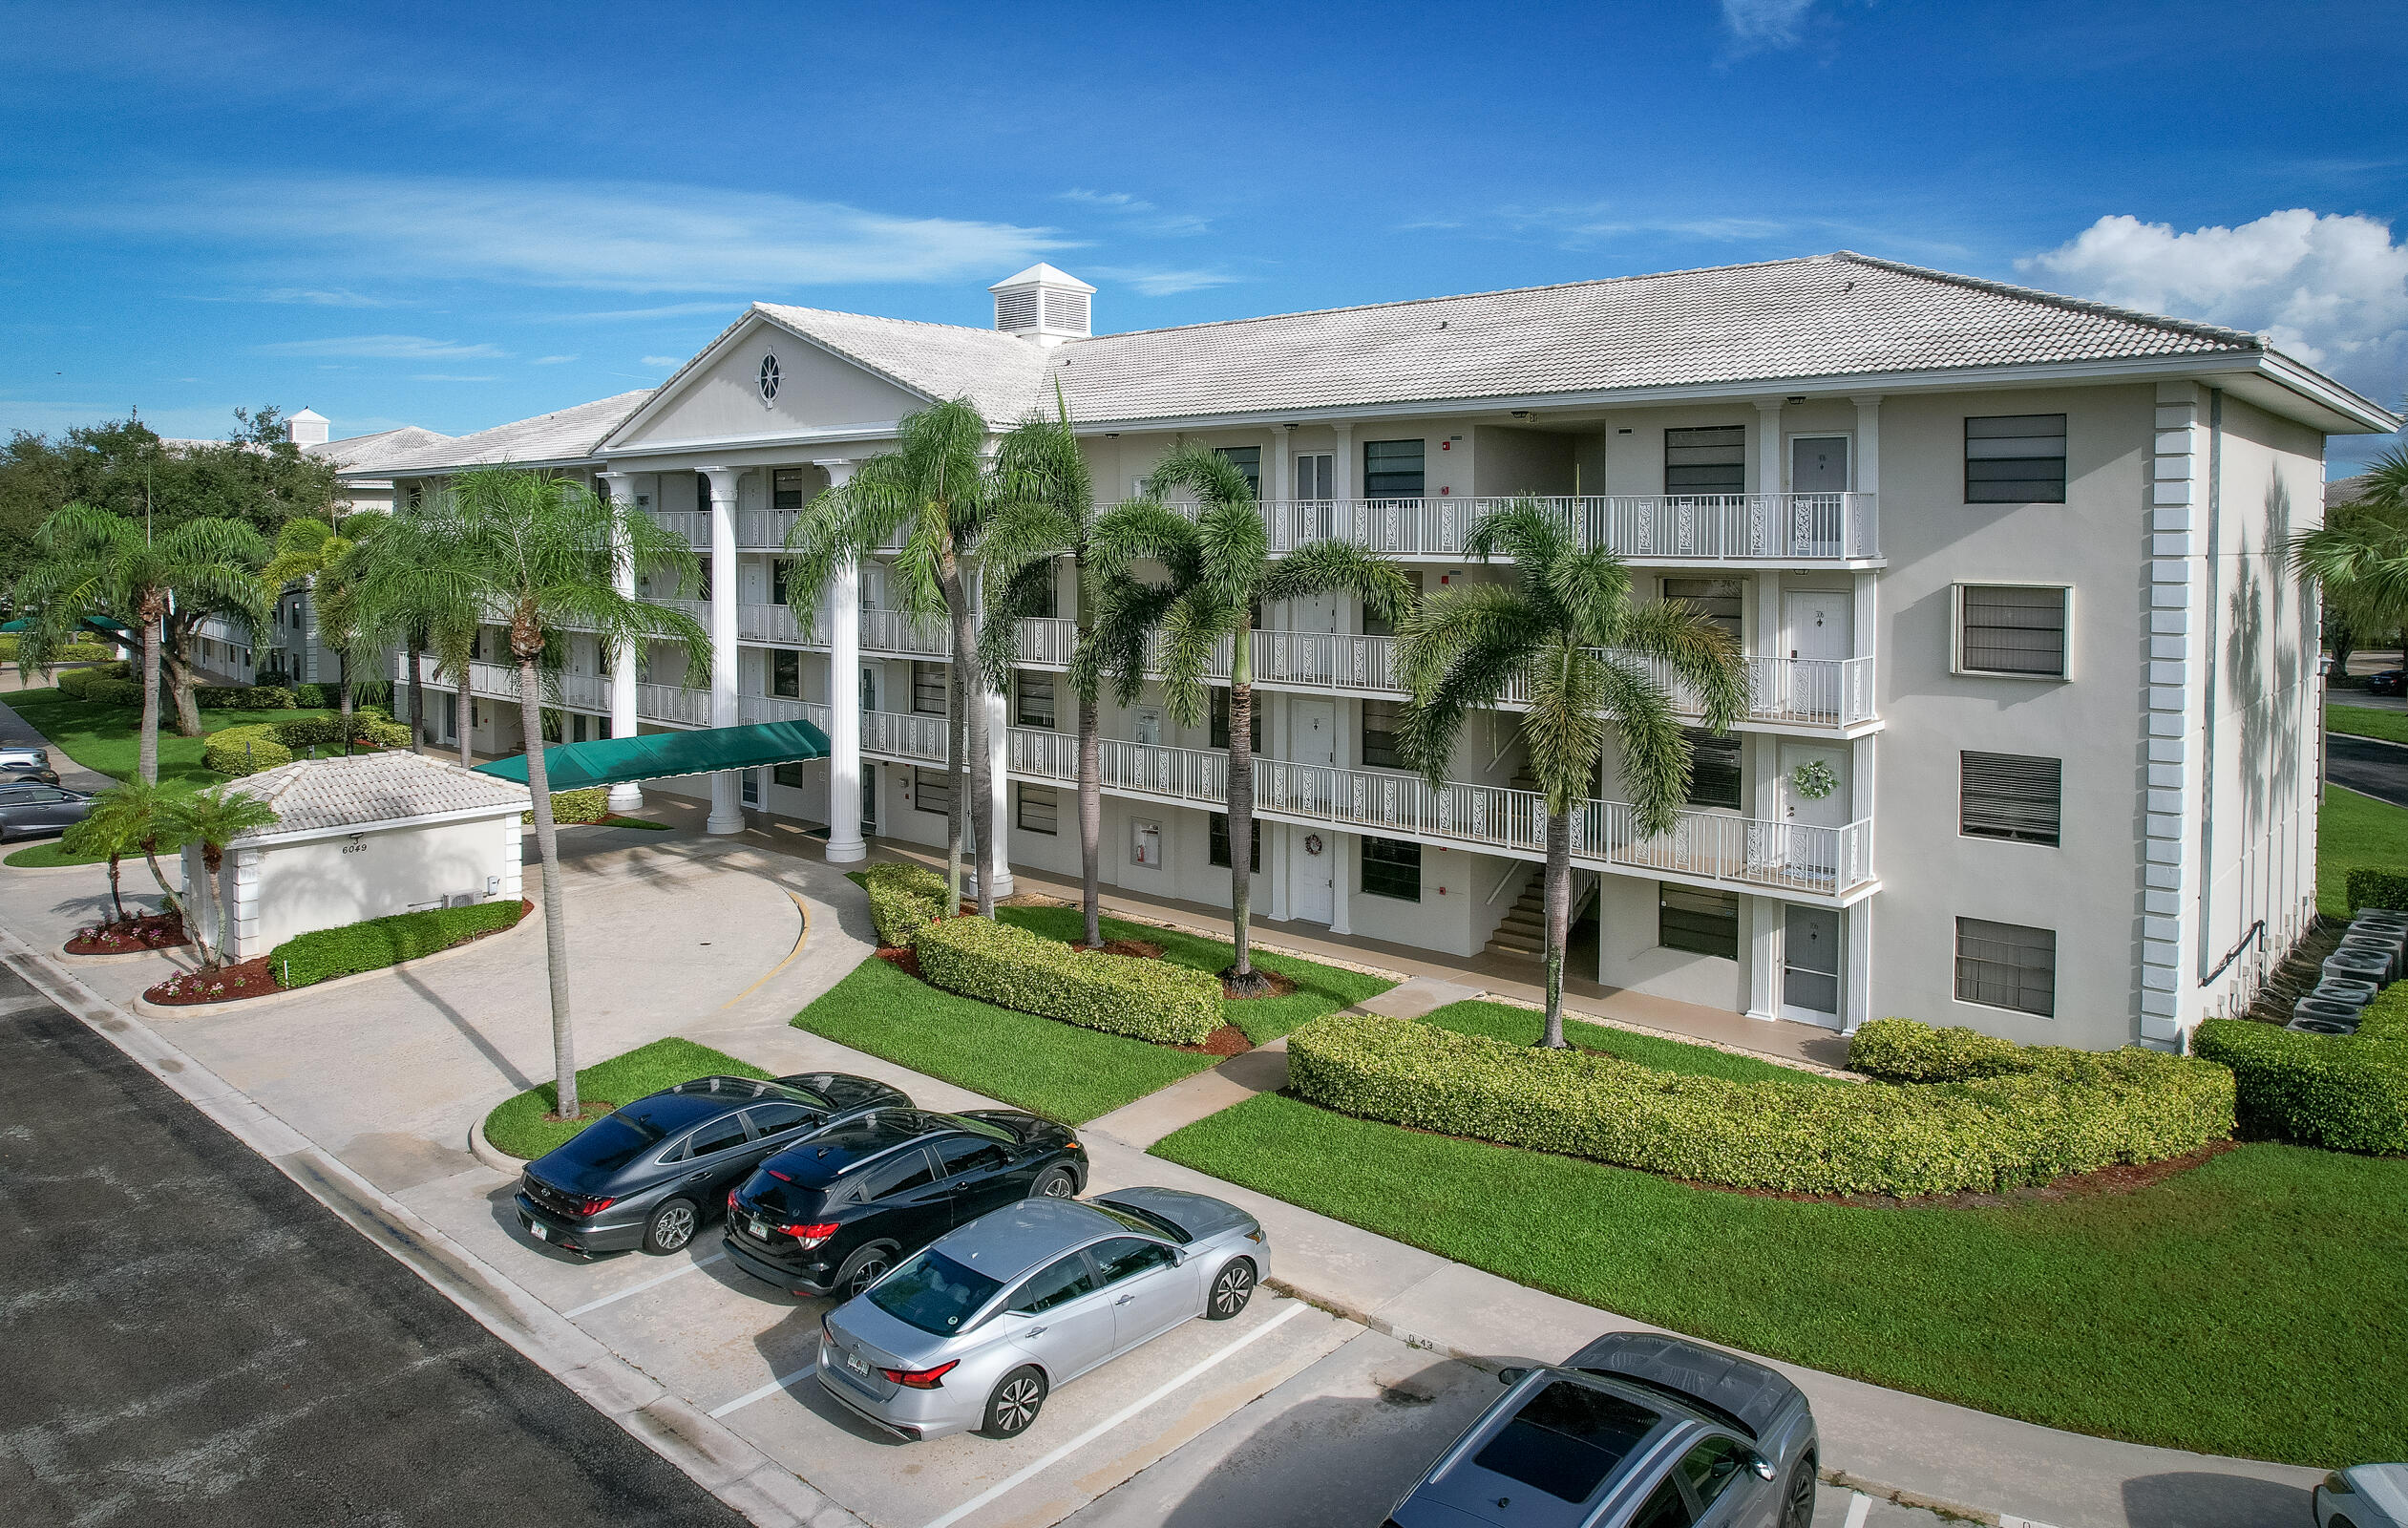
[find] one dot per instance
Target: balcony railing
(904, 735)
(674, 702)
(1729, 850)
(691, 523)
(499, 681)
(776, 623)
(1657, 527)
(751, 711)
(893, 631)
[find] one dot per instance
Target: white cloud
(664, 362)
(341, 298)
(383, 348)
(617, 314)
(1765, 23)
(2331, 289)
(621, 237)
(552, 360)
(446, 376)
(1153, 282)
(1140, 214)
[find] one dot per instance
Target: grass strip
(108, 738)
(2246, 1307)
(1503, 1021)
(48, 855)
(517, 1126)
(2355, 830)
(1045, 1066)
(2365, 721)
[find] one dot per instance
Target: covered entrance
(659, 756)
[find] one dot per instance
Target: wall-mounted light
(1799, 398)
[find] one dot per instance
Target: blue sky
(455, 216)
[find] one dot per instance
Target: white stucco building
(2002, 564)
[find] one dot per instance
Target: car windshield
(1565, 1439)
(933, 1293)
(978, 1127)
(1146, 1221)
(610, 1143)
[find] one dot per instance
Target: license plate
(853, 1362)
(539, 1230)
(757, 1229)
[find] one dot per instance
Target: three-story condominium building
(2031, 737)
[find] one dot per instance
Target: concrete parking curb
(490, 1155)
(714, 1456)
(265, 1000)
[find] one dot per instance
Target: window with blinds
(1247, 459)
(2006, 965)
(2010, 795)
(786, 673)
(1714, 768)
(1032, 699)
(2016, 458)
(1392, 867)
(1702, 922)
(928, 687)
(1708, 460)
(1039, 810)
(2012, 628)
(1381, 719)
(1392, 468)
(1717, 600)
(1220, 846)
(785, 489)
(931, 791)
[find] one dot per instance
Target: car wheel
(1232, 1287)
(672, 1226)
(861, 1270)
(1015, 1402)
(1054, 1183)
(1797, 1497)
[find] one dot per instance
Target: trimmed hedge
(2370, 886)
(2064, 1112)
(256, 746)
(904, 898)
(244, 750)
(326, 953)
(1014, 969)
(72, 653)
(244, 697)
(1904, 1051)
(106, 685)
(569, 808)
(2345, 1091)
(369, 726)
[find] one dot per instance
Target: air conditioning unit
(466, 899)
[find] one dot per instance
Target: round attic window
(769, 378)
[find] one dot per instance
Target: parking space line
(648, 1284)
(1114, 1421)
(1859, 1505)
(765, 1391)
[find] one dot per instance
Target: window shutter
(2011, 629)
(2012, 795)
(2006, 965)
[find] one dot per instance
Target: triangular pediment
(762, 380)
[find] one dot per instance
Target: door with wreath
(1814, 797)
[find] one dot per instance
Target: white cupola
(1043, 304)
(308, 428)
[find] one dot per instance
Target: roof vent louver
(1043, 305)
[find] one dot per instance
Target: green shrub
(307, 959)
(2345, 1091)
(904, 898)
(571, 807)
(73, 652)
(2065, 1111)
(1905, 1050)
(369, 726)
(311, 697)
(104, 686)
(2370, 886)
(1014, 969)
(244, 697)
(244, 750)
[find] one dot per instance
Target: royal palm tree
(92, 563)
(934, 489)
(415, 584)
(542, 554)
(1220, 573)
(214, 819)
(331, 564)
(1046, 511)
(2359, 555)
(1567, 632)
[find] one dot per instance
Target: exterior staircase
(1522, 933)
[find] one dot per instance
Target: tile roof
(315, 794)
(565, 435)
(368, 452)
(1001, 374)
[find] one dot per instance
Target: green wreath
(1814, 779)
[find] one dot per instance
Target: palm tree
(104, 834)
(2360, 554)
(214, 819)
(543, 553)
(936, 491)
(1046, 512)
(1567, 631)
(1221, 572)
(415, 585)
(313, 553)
(133, 811)
(91, 562)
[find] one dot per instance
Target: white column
(1344, 487)
(1867, 468)
(1275, 467)
(997, 855)
(726, 797)
(626, 796)
(1344, 848)
(1768, 446)
(844, 700)
(1763, 930)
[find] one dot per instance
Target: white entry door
(1813, 855)
(1819, 627)
(1313, 744)
(1810, 966)
(1312, 658)
(1818, 467)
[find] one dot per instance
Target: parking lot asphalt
(190, 1338)
(2367, 766)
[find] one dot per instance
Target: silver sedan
(978, 1329)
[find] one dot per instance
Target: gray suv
(29, 810)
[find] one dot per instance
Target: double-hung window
(1714, 768)
(2015, 796)
(1392, 468)
(1032, 699)
(2016, 458)
(1392, 867)
(1381, 719)
(2006, 965)
(786, 673)
(1219, 832)
(928, 687)
(1710, 460)
(2013, 628)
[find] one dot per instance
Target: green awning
(107, 628)
(656, 755)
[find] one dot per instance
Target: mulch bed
(250, 979)
(1136, 950)
(1228, 1040)
(1280, 986)
(151, 931)
(905, 961)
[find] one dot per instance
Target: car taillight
(731, 1198)
(1071, 1146)
(811, 1236)
(591, 1207)
(774, 1172)
(919, 1379)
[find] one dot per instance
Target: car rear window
(609, 1143)
(1146, 1220)
(933, 1293)
(1565, 1439)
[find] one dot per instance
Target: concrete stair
(1523, 930)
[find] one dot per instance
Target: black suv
(831, 1214)
(649, 1173)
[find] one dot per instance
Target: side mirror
(1762, 1466)
(1511, 1377)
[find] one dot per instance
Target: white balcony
(691, 523)
(752, 710)
(1823, 864)
(1772, 529)
(893, 631)
(776, 623)
(673, 703)
(499, 681)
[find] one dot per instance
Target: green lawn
(46, 855)
(517, 1125)
(1503, 1021)
(1041, 1065)
(2355, 830)
(2249, 1307)
(1318, 989)
(2391, 726)
(107, 738)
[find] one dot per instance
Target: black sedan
(649, 1173)
(831, 1214)
(31, 811)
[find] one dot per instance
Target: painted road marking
(1858, 1505)
(648, 1284)
(1298, 1308)
(765, 1391)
